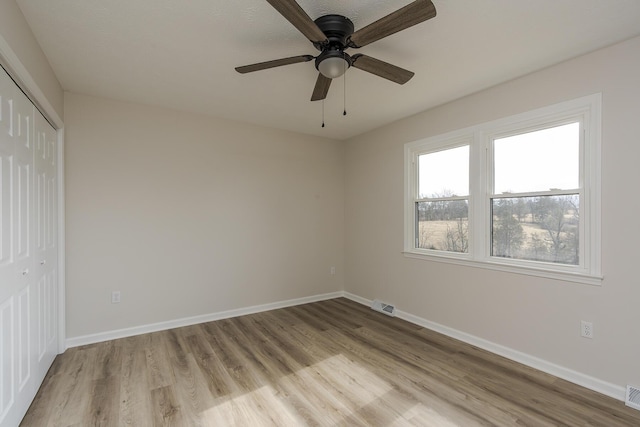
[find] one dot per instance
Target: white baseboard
(595, 384)
(187, 321)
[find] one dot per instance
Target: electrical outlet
(332, 270)
(115, 297)
(586, 329)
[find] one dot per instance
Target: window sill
(567, 276)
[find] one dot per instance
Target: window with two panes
(511, 193)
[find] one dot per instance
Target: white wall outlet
(115, 297)
(586, 329)
(332, 270)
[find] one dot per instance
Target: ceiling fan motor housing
(338, 29)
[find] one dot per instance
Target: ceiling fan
(333, 34)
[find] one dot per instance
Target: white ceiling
(182, 54)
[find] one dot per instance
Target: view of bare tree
(540, 228)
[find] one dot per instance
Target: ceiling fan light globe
(333, 67)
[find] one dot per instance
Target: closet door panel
(7, 269)
(45, 243)
(7, 157)
(16, 262)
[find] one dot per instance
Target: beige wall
(16, 35)
(188, 215)
(537, 316)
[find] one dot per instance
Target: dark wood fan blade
(321, 89)
(275, 63)
(412, 14)
(381, 68)
(293, 13)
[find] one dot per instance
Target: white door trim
(25, 81)
(62, 327)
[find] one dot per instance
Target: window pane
(538, 161)
(443, 225)
(541, 228)
(444, 173)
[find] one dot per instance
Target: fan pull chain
(344, 86)
(323, 113)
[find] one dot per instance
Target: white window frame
(587, 111)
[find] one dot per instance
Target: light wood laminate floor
(331, 363)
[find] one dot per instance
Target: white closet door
(27, 302)
(45, 267)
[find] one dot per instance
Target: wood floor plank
(216, 376)
(223, 341)
(72, 389)
(329, 363)
(135, 399)
(215, 368)
(108, 359)
(191, 390)
(158, 368)
(166, 410)
(103, 407)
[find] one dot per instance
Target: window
(442, 208)
(519, 194)
(535, 202)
